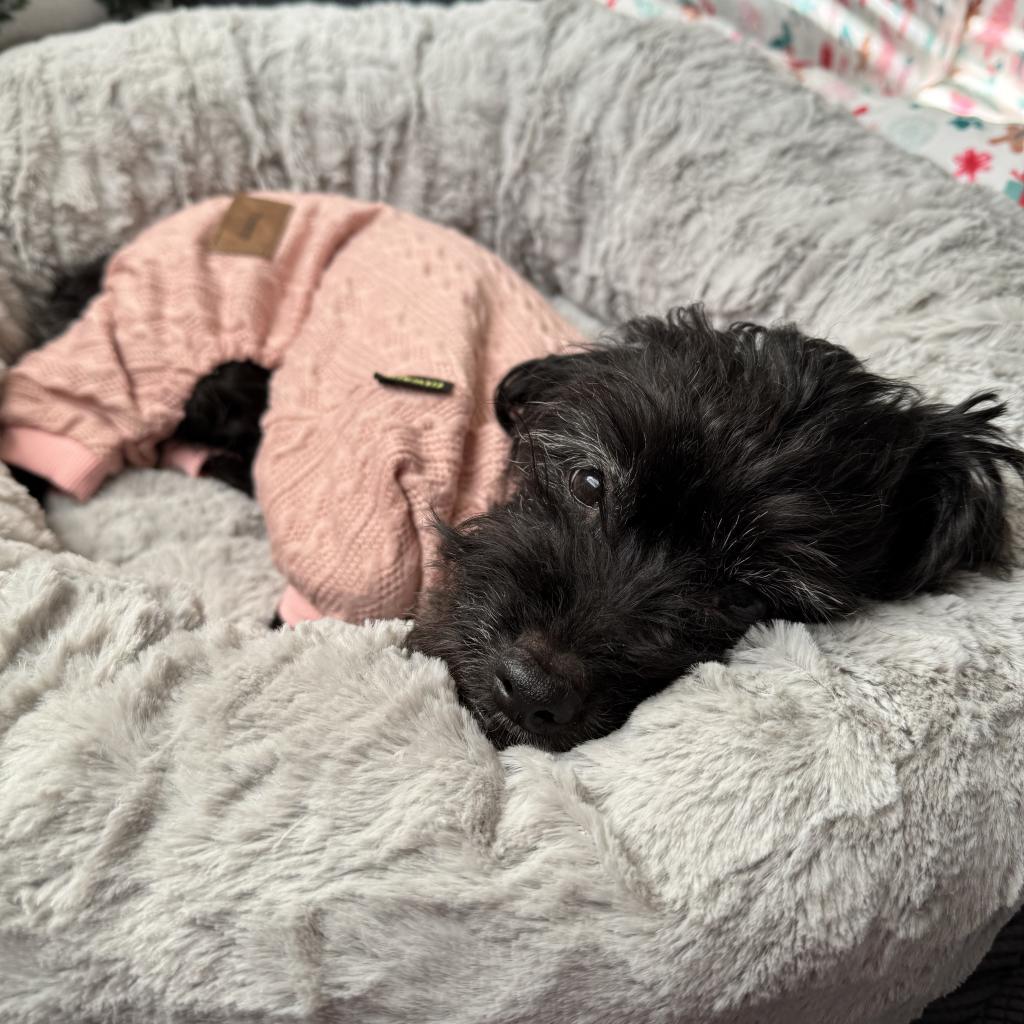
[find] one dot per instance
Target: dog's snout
(539, 699)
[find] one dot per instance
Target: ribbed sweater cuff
(64, 462)
(295, 608)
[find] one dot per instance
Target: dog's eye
(587, 486)
(742, 601)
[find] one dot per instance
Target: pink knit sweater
(349, 470)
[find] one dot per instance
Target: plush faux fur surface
(160, 526)
(202, 821)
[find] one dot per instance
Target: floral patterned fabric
(939, 80)
(987, 76)
(890, 47)
(972, 150)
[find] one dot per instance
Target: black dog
(671, 490)
(679, 486)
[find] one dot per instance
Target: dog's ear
(951, 503)
(531, 385)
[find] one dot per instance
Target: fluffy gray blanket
(202, 821)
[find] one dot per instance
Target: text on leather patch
(251, 227)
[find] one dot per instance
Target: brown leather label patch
(251, 227)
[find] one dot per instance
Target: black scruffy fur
(683, 483)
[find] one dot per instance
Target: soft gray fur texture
(162, 526)
(202, 822)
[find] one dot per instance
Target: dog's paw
(36, 485)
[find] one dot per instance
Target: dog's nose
(534, 697)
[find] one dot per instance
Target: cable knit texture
(349, 472)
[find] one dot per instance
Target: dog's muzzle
(538, 687)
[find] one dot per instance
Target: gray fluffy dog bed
(202, 821)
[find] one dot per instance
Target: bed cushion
(201, 820)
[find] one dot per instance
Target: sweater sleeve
(172, 308)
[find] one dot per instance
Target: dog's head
(682, 484)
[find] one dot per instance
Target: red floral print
(970, 163)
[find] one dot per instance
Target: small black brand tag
(415, 383)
